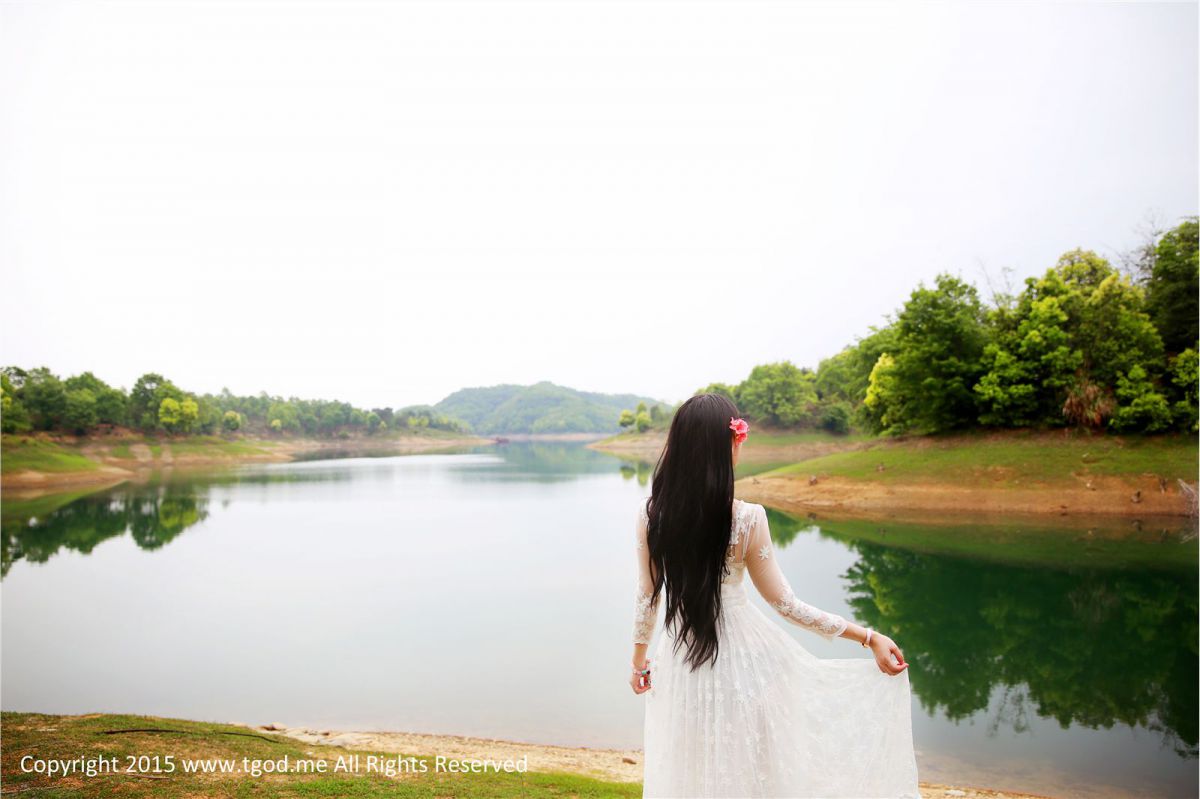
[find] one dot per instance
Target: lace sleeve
(770, 581)
(644, 611)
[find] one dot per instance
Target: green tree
(1140, 407)
(231, 421)
(642, 421)
(111, 405)
(883, 400)
(1083, 270)
(189, 414)
(847, 375)
(1185, 371)
(777, 393)
(835, 417)
(1031, 362)
(13, 416)
(940, 336)
(80, 413)
(208, 419)
(170, 414)
(87, 380)
(1174, 286)
(45, 397)
(626, 419)
(146, 398)
(1115, 334)
(724, 389)
(289, 417)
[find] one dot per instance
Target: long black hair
(691, 514)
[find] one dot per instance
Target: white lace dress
(769, 718)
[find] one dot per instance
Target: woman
(734, 705)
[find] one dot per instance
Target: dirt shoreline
(1136, 497)
(619, 765)
(113, 470)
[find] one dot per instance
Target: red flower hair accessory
(739, 428)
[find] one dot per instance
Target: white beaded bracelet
(867, 640)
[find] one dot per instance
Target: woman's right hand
(639, 684)
(883, 648)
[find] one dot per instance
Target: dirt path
(621, 765)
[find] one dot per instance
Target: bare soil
(1136, 496)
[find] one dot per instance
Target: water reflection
(152, 516)
(1093, 636)
(1011, 624)
(1084, 647)
(154, 512)
(537, 461)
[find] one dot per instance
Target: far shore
(1056, 473)
(99, 461)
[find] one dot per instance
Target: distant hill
(541, 408)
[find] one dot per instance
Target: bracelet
(637, 670)
(867, 641)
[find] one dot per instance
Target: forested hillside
(540, 408)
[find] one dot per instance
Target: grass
(44, 453)
(212, 446)
(20, 453)
(1014, 458)
(68, 737)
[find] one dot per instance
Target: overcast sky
(383, 203)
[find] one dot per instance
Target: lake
(489, 592)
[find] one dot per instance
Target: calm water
(490, 593)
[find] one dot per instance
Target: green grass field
(18, 453)
(1008, 459)
(67, 737)
(213, 446)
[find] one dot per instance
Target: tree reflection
(1089, 647)
(152, 515)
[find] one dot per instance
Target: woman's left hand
(641, 682)
(884, 649)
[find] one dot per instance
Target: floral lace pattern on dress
(768, 718)
(749, 533)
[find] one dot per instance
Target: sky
(385, 202)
